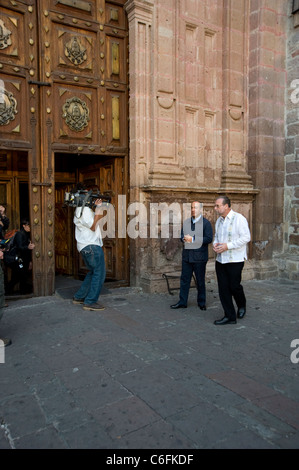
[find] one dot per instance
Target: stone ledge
(288, 266)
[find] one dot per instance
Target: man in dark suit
(196, 235)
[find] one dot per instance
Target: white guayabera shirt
(234, 231)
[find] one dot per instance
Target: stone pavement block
(112, 356)
(57, 357)
(4, 442)
(45, 385)
(125, 416)
(69, 420)
(200, 424)
(84, 375)
(242, 385)
(47, 438)
(57, 405)
(107, 391)
(158, 435)
(289, 441)
(282, 407)
(89, 435)
(267, 424)
(210, 392)
(158, 390)
(243, 439)
(22, 415)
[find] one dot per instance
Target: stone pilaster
(234, 143)
(140, 18)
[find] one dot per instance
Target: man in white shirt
(89, 244)
(230, 244)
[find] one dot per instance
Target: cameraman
(89, 244)
(4, 222)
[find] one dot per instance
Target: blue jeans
(93, 257)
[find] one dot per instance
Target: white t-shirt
(83, 234)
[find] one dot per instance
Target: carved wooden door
(64, 240)
(63, 90)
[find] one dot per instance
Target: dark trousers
(229, 277)
(18, 276)
(199, 270)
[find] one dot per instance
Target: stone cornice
(139, 9)
(202, 190)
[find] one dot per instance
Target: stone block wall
(288, 262)
(266, 143)
(207, 116)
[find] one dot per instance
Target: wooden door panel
(75, 48)
(115, 15)
(13, 116)
(116, 112)
(78, 117)
(64, 241)
(14, 32)
(116, 57)
(79, 9)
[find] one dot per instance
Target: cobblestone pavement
(139, 375)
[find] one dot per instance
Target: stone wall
(288, 263)
(207, 108)
(266, 147)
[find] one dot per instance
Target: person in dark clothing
(3, 341)
(197, 234)
(4, 222)
(23, 265)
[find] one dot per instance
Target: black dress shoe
(178, 305)
(241, 312)
(202, 307)
(225, 321)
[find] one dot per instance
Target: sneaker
(78, 301)
(6, 341)
(94, 307)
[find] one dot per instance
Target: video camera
(84, 198)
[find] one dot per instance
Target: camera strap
(84, 201)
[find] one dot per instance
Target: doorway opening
(14, 196)
(107, 174)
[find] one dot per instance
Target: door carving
(64, 90)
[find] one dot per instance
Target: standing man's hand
(188, 239)
(220, 247)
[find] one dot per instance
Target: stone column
(267, 84)
(234, 149)
(140, 19)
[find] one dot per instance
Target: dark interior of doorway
(18, 211)
(67, 168)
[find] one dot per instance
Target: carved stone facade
(213, 109)
(207, 103)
